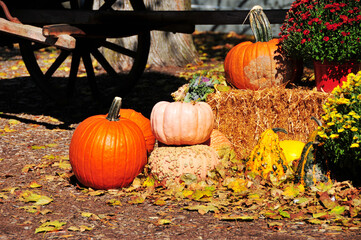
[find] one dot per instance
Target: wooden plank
(35, 34)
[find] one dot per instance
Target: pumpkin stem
(319, 123)
(279, 130)
(113, 114)
(260, 25)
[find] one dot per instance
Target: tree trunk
(167, 49)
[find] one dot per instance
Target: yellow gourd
(267, 157)
(292, 150)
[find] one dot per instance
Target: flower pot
(328, 75)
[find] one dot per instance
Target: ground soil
(35, 135)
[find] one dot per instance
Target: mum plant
(341, 131)
(196, 90)
(323, 30)
(199, 88)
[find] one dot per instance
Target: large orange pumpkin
(259, 65)
(143, 123)
(107, 152)
(181, 123)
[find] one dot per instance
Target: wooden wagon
(79, 32)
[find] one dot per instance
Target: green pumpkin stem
(276, 130)
(260, 24)
(319, 123)
(113, 114)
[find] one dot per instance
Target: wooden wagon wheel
(86, 50)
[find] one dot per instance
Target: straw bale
(242, 115)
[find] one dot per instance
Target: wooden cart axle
(58, 27)
(127, 23)
(93, 17)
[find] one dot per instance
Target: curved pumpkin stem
(113, 114)
(279, 130)
(314, 136)
(319, 123)
(260, 25)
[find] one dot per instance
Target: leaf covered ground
(41, 199)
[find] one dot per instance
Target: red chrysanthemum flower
(344, 18)
(333, 26)
(306, 32)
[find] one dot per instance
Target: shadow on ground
(22, 96)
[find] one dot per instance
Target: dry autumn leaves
(227, 195)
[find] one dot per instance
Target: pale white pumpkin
(180, 123)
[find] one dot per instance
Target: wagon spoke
(73, 73)
(90, 74)
(74, 4)
(119, 49)
(107, 5)
(59, 60)
(104, 62)
(88, 4)
(138, 4)
(38, 46)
